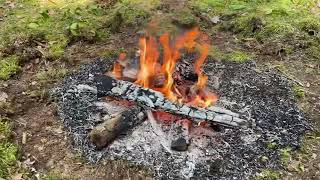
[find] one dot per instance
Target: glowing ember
(158, 74)
(165, 117)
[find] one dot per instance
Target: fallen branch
(150, 99)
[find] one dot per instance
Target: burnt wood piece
(185, 72)
(179, 144)
(180, 135)
(150, 99)
(114, 126)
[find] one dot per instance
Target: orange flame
(151, 66)
(117, 67)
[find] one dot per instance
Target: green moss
(8, 151)
(238, 56)
(184, 18)
(246, 25)
(52, 176)
(56, 49)
(285, 155)
(268, 174)
(309, 24)
(271, 145)
(275, 31)
(281, 68)
(280, 25)
(5, 129)
(215, 53)
(8, 67)
(314, 52)
(112, 52)
(298, 91)
(219, 7)
(41, 94)
(132, 13)
(51, 75)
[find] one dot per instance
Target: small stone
(33, 83)
(24, 138)
(308, 85)
(179, 144)
(59, 130)
(215, 19)
(50, 163)
(3, 97)
(40, 148)
(37, 60)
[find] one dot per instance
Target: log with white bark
(150, 99)
(115, 125)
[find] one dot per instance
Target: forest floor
(43, 40)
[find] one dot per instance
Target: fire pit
(161, 110)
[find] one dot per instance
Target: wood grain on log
(150, 99)
(114, 126)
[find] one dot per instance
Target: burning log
(114, 126)
(150, 99)
(158, 80)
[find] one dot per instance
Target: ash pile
(181, 150)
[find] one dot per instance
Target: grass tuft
(298, 91)
(130, 13)
(184, 18)
(8, 151)
(238, 56)
(8, 67)
(274, 23)
(268, 174)
(285, 155)
(51, 75)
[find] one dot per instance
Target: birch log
(150, 99)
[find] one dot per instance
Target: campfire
(157, 70)
(168, 88)
(157, 109)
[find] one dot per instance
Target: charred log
(114, 126)
(150, 99)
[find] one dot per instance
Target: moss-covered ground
(8, 151)
(42, 40)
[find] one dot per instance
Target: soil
(48, 143)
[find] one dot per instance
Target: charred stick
(114, 126)
(150, 99)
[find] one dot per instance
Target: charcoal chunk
(179, 144)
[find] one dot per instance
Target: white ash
(228, 154)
